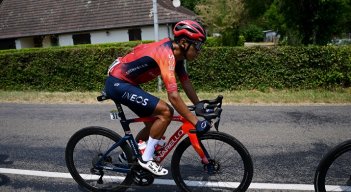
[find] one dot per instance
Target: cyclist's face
(193, 52)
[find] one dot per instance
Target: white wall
(24, 43)
(47, 41)
(121, 35)
(147, 33)
(107, 36)
(117, 35)
(65, 40)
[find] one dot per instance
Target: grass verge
(341, 96)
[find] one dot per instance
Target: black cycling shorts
(140, 102)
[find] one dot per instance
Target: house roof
(20, 18)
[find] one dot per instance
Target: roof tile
(20, 18)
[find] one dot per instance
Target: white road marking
(266, 186)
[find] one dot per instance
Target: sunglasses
(197, 45)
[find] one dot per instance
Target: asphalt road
(286, 142)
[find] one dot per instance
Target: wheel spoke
(85, 149)
(226, 170)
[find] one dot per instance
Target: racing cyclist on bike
(146, 62)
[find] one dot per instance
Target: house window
(7, 44)
(134, 34)
(38, 41)
(54, 40)
(81, 39)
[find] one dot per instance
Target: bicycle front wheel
(334, 170)
(230, 167)
(85, 148)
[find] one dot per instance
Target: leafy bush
(213, 42)
(253, 33)
(229, 68)
(216, 69)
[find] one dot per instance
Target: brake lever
(216, 124)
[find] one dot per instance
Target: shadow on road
(4, 159)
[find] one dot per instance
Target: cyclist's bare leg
(145, 132)
(164, 114)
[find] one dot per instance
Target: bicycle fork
(199, 148)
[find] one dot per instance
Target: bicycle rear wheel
(334, 170)
(230, 167)
(83, 151)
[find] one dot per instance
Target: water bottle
(161, 144)
(142, 146)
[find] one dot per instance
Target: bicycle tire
(80, 155)
(335, 157)
(190, 174)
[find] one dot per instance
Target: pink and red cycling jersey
(147, 61)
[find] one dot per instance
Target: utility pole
(176, 3)
(155, 13)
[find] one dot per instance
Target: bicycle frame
(183, 130)
(95, 154)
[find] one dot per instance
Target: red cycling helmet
(192, 30)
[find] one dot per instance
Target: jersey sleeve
(167, 63)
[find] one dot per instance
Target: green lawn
(341, 96)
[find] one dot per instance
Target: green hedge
(231, 68)
(217, 69)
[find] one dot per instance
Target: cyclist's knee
(165, 111)
(169, 112)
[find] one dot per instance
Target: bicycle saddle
(103, 96)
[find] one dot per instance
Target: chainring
(142, 177)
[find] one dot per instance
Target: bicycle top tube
(208, 109)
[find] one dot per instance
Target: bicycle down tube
(173, 140)
(177, 136)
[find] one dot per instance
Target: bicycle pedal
(142, 177)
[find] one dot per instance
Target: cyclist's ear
(182, 42)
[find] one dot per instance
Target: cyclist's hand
(203, 126)
(199, 108)
(199, 105)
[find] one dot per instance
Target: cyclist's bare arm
(190, 91)
(179, 105)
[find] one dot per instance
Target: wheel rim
(86, 153)
(338, 176)
(224, 173)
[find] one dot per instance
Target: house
(270, 36)
(45, 23)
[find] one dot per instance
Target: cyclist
(147, 61)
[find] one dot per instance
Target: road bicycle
(334, 170)
(212, 161)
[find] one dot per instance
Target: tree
(316, 21)
(190, 4)
(331, 19)
(273, 19)
(254, 9)
(253, 33)
(222, 16)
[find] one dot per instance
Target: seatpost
(120, 111)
